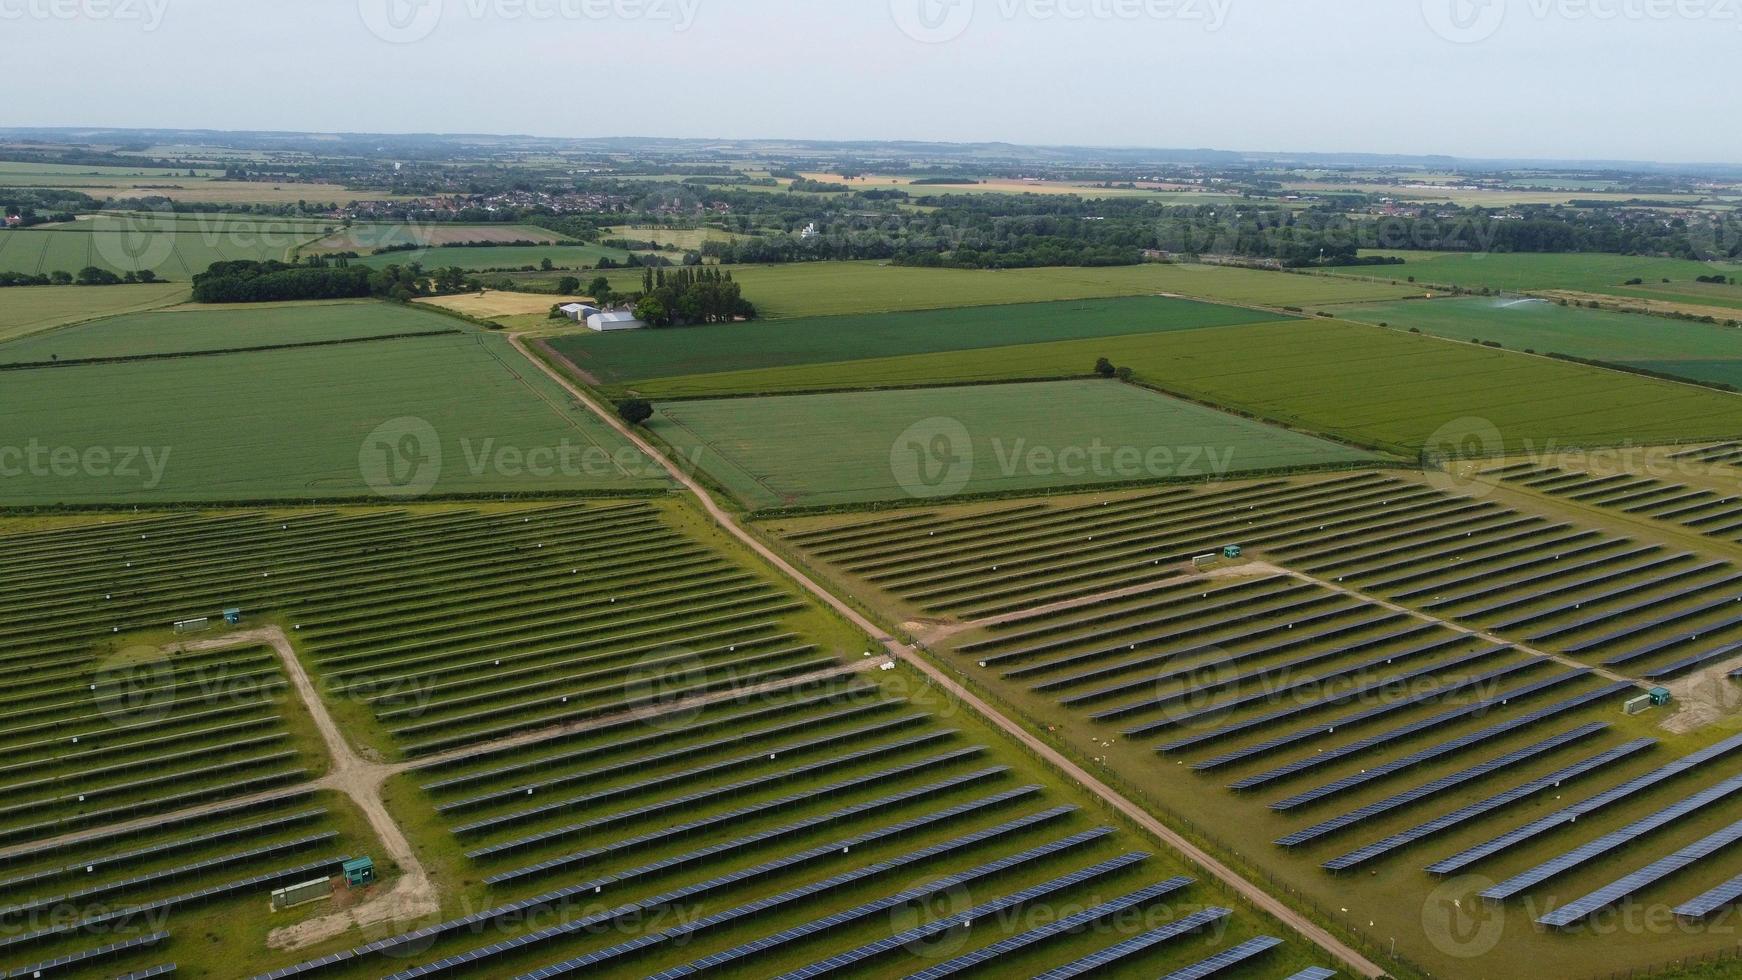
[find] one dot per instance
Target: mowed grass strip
(862, 447)
(302, 424)
(639, 355)
(1366, 384)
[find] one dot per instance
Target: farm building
(579, 312)
(621, 320)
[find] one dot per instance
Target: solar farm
(1426, 713)
(574, 739)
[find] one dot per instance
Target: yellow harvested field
(493, 303)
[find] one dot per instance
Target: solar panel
(1328, 756)
(957, 880)
(681, 803)
(1554, 558)
(1572, 813)
(396, 945)
(1072, 623)
(1602, 597)
(1127, 948)
(594, 799)
(1226, 660)
(161, 970)
(1313, 973)
(1566, 535)
(1609, 615)
(662, 734)
(1724, 652)
(1436, 786)
(948, 923)
(92, 861)
(1274, 692)
(1559, 571)
(1615, 840)
(1390, 683)
(1410, 542)
(1060, 927)
(106, 919)
(86, 958)
(1705, 904)
(1672, 642)
(620, 848)
(1626, 885)
(1654, 623)
(1516, 601)
(1227, 959)
(702, 747)
(1458, 745)
(1481, 808)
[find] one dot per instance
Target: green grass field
(191, 329)
(500, 257)
(28, 309)
(1584, 272)
(1366, 384)
(862, 447)
(1700, 351)
(622, 358)
(445, 415)
(808, 289)
(170, 246)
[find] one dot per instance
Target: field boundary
(220, 351)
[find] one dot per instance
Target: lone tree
(1105, 368)
(635, 410)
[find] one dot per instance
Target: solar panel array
(1227, 959)
(88, 958)
(1702, 510)
(1127, 948)
(1701, 849)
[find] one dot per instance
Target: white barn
(578, 312)
(622, 320)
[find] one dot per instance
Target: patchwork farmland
(1406, 696)
(610, 774)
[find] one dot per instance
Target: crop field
(172, 246)
(858, 447)
(492, 303)
(366, 236)
(28, 309)
(444, 414)
(683, 239)
(811, 289)
(500, 257)
(704, 772)
(192, 329)
(1699, 351)
(1338, 709)
(629, 357)
(199, 190)
(1372, 386)
(1585, 272)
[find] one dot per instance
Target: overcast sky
(1616, 79)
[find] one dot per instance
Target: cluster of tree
(249, 281)
(90, 275)
(690, 295)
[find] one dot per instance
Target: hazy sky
(1625, 79)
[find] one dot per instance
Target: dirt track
(1256, 895)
